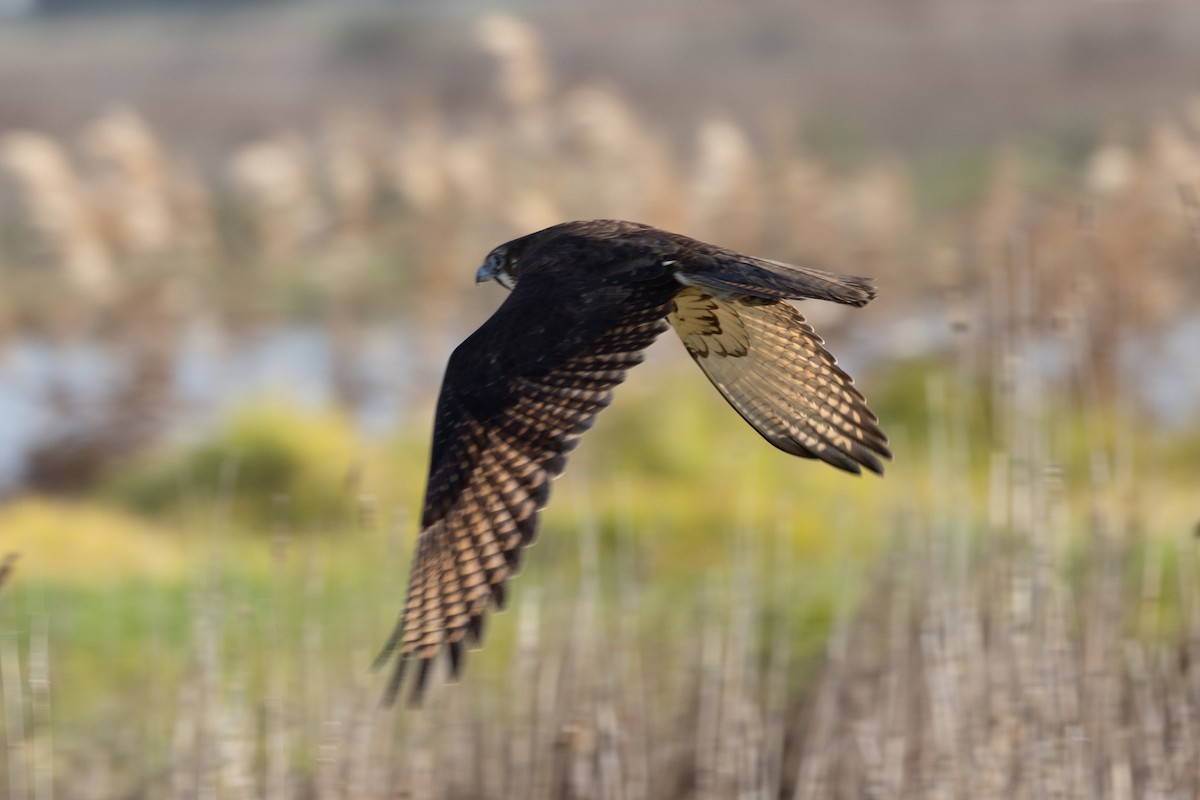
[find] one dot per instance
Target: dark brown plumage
(587, 299)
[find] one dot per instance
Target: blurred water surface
(47, 389)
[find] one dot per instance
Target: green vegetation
(272, 583)
(1012, 612)
(679, 560)
(268, 465)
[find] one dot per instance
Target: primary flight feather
(586, 300)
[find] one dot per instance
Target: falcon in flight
(587, 298)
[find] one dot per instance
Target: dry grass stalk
(613, 161)
(353, 154)
(1109, 170)
(134, 186)
(725, 196)
(584, 153)
(979, 668)
(13, 698)
(196, 234)
(466, 183)
(275, 177)
(524, 76)
(878, 207)
(60, 208)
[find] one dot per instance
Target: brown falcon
(586, 300)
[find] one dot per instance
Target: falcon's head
(500, 266)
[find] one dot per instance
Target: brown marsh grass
(370, 218)
(1020, 636)
(1028, 630)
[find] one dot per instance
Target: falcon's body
(587, 299)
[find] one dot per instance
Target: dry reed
(983, 664)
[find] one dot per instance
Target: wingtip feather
(458, 656)
(392, 690)
(417, 694)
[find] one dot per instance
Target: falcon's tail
(761, 277)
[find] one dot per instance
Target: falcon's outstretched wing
(774, 370)
(516, 396)
(587, 298)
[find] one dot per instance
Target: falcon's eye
(504, 270)
(505, 276)
(497, 267)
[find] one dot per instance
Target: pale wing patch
(707, 325)
(784, 382)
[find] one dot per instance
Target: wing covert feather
(774, 370)
(728, 272)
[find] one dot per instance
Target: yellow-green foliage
(686, 473)
(268, 464)
(87, 543)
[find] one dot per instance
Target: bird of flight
(586, 300)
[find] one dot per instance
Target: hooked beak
(484, 274)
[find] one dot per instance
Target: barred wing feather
(774, 370)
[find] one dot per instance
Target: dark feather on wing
(516, 396)
(588, 298)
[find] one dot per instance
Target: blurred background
(238, 242)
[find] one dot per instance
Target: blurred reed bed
(425, 194)
(1031, 625)
(114, 238)
(1049, 650)
(120, 239)
(1024, 632)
